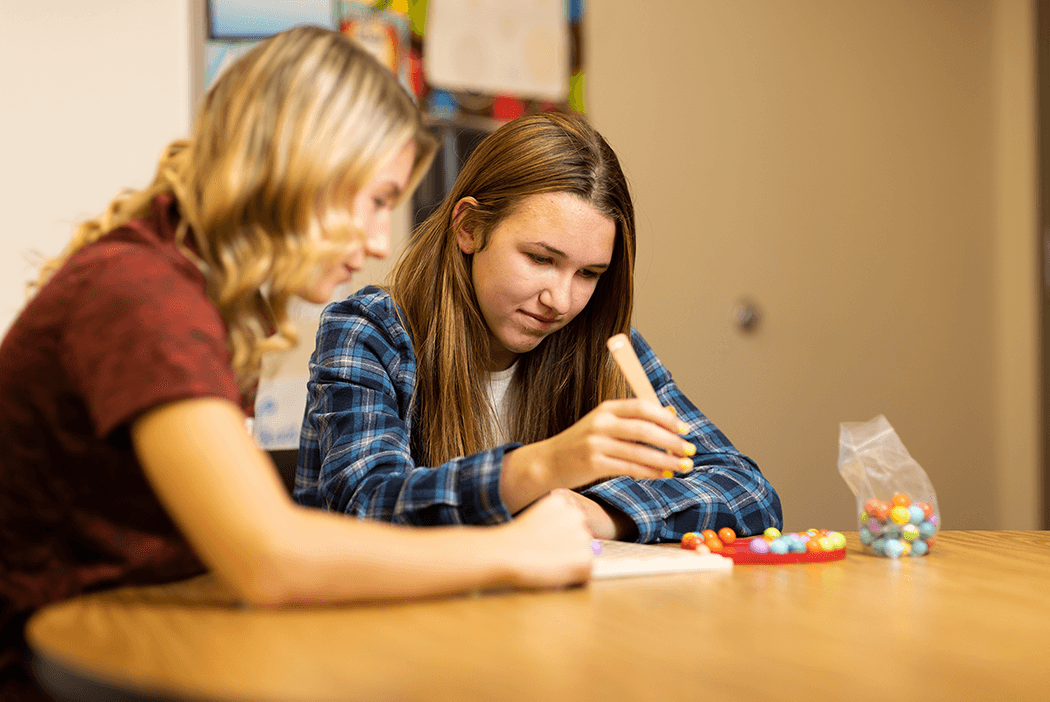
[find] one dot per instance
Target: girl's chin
(524, 343)
(318, 295)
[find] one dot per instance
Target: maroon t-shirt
(124, 326)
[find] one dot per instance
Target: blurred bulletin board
(471, 65)
(491, 59)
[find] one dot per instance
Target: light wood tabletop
(969, 621)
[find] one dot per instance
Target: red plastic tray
(741, 553)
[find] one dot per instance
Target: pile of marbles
(771, 541)
(899, 527)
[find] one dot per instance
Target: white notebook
(620, 559)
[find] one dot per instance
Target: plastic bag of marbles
(897, 512)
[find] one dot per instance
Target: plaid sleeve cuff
(710, 498)
(637, 499)
(725, 489)
(476, 481)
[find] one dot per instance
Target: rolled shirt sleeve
(724, 489)
(355, 451)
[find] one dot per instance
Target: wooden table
(970, 621)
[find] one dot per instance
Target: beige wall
(90, 93)
(865, 172)
(1019, 428)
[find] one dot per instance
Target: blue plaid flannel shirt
(355, 448)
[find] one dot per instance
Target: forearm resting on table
(226, 497)
(356, 560)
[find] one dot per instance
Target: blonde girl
(125, 380)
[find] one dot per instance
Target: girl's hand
(634, 438)
(549, 544)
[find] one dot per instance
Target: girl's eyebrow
(559, 252)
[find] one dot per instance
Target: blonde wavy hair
(282, 143)
(568, 373)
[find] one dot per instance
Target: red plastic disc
(741, 553)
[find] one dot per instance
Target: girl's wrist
(626, 529)
(494, 550)
(524, 477)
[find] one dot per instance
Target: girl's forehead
(562, 221)
(555, 209)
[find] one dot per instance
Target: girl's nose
(557, 295)
(377, 243)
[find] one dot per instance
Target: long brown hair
(283, 141)
(569, 372)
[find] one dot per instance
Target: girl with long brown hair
(125, 380)
(479, 379)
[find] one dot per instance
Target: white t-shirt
(499, 382)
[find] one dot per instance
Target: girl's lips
(541, 320)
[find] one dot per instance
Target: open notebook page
(620, 559)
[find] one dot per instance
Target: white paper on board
(516, 48)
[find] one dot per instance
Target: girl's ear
(464, 238)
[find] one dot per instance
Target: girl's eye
(539, 259)
(589, 274)
(380, 203)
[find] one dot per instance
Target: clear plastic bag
(896, 503)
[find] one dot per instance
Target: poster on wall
(383, 29)
(236, 20)
(518, 49)
(497, 60)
